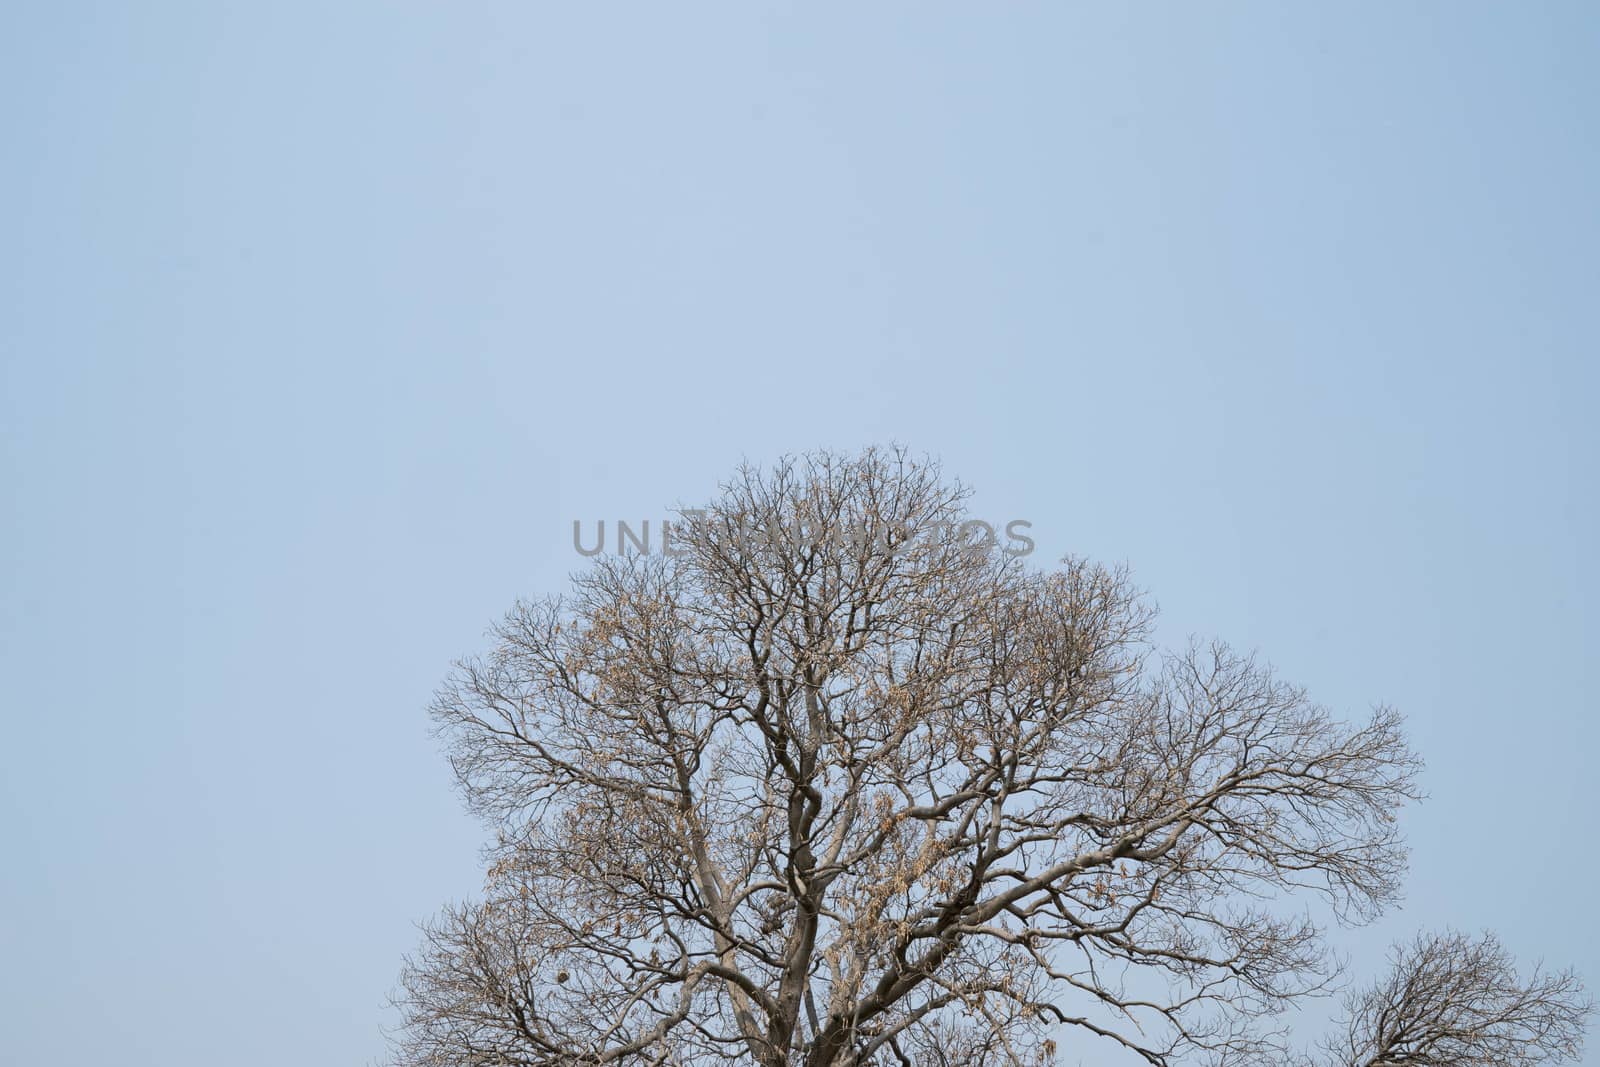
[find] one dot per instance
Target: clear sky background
(321, 323)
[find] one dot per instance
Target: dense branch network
(838, 784)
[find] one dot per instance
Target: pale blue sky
(321, 323)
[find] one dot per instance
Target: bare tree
(837, 784)
(1454, 1000)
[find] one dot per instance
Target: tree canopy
(836, 783)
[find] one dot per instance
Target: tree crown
(837, 784)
